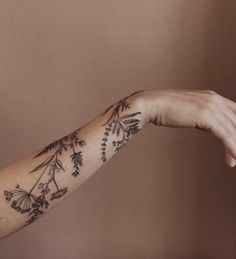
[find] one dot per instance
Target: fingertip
(232, 165)
(230, 161)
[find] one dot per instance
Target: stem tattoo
(119, 124)
(36, 200)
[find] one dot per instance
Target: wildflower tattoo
(37, 199)
(119, 124)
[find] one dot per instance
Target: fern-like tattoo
(119, 124)
(36, 200)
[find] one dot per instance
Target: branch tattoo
(119, 124)
(36, 200)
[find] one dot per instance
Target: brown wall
(168, 194)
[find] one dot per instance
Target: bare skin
(201, 109)
(36, 183)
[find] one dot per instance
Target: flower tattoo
(120, 125)
(35, 201)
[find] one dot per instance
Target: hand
(201, 109)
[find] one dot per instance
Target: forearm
(33, 185)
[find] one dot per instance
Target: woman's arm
(33, 185)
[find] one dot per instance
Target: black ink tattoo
(122, 126)
(37, 199)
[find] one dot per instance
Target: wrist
(142, 101)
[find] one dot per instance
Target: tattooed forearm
(120, 126)
(36, 200)
(34, 185)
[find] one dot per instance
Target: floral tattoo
(36, 200)
(121, 125)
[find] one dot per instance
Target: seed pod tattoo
(35, 201)
(120, 125)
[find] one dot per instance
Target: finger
(227, 112)
(221, 127)
(230, 161)
(231, 125)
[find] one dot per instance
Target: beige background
(168, 194)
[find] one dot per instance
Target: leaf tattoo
(119, 125)
(36, 200)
